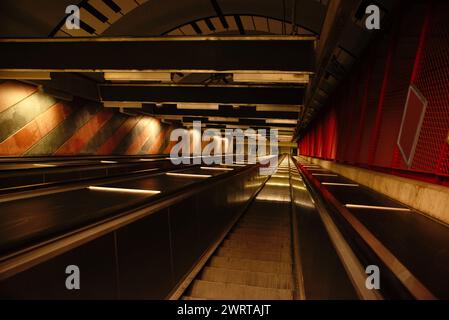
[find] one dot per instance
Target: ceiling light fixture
(198, 106)
(138, 76)
(272, 77)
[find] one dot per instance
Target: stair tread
(258, 238)
(276, 247)
(262, 235)
(261, 231)
(227, 291)
(251, 278)
(253, 254)
(250, 265)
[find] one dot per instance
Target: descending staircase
(255, 259)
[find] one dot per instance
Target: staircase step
(263, 232)
(254, 255)
(266, 219)
(250, 265)
(230, 291)
(263, 225)
(257, 279)
(259, 246)
(258, 238)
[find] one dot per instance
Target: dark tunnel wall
(33, 123)
(363, 119)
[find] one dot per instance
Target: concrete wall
(431, 199)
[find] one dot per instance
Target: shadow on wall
(33, 123)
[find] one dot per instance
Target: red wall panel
(361, 122)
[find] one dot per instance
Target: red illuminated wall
(34, 123)
(361, 122)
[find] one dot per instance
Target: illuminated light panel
(268, 107)
(123, 190)
(25, 75)
(197, 106)
(147, 170)
(283, 121)
(149, 160)
(121, 104)
(272, 77)
(223, 119)
(272, 198)
(43, 165)
(340, 184)
(137, 76)
(108, 161)
(361, 206)
(278, 184)
(325, 174)
(216, 168)
(188, 175)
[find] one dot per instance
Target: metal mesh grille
(432, 152)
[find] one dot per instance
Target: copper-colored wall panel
(33, 123)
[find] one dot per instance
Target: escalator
(255, 260)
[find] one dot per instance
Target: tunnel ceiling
(337, 47)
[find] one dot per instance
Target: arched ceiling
(30, 18)
(337, 26)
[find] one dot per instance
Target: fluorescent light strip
(199, 106)
(339, 184)
(271, 77)
(278, 108)
(43, 165)
(361, 206)
(121, 104)
(278, 184)
(107, 161)
(282, 121)
(223, 119)
(25, 75)
(216, 168)
(149, 160)
(137, 76)
(188, 175)
(123, 190)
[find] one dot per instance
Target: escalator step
(257, 279)
(250, 265)
(219, 290)
(258, 238)
(256, 245)
(255, 255)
